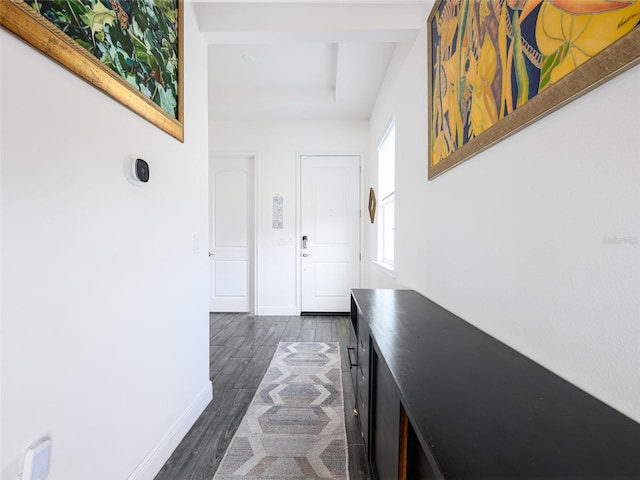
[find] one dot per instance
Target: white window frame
(386, 191)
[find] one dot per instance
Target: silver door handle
(210, 254)
(306, 254)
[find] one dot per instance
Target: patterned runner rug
(294, 427)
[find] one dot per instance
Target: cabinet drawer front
(354, 379)
(363, 344)
(363, 385)
(364, 348)
(363, 413)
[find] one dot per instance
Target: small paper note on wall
(277, 212)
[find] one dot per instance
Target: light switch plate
(36, 460)
(196, 244)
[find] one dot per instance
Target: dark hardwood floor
(241, 349)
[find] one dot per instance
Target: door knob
(306, 254)
(210, 254)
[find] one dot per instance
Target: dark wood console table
(438, 398)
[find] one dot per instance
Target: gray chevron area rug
(294, 427)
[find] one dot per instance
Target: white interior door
(231, 219)
(330, 193)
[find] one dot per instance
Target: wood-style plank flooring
(241, 349)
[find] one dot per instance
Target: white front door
(231, 215)
(330, 243)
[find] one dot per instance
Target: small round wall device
(136, 170)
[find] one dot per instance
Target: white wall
(1, 355)
(534, 241)
(104, 303)
(277, 144)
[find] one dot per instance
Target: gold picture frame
(445, 150)
(24, 21)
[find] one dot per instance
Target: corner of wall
(156, 458)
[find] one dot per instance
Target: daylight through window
(386, 193)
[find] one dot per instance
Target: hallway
(241, 349)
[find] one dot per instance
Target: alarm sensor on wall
(136, 170)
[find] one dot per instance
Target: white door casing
(330, 219)
(231, 220)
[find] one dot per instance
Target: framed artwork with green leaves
(497, 66)
(129, 49)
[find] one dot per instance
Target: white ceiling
(303, 59)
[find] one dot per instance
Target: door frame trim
(254, 238)
(298, 249)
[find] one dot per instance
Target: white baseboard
(149, 467)
(274, 311)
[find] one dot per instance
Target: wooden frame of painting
(472, 105)
(132, 51)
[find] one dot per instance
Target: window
(386, 193)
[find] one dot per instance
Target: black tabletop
(482, 409)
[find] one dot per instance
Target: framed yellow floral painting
(495, 66)
(130, 50)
